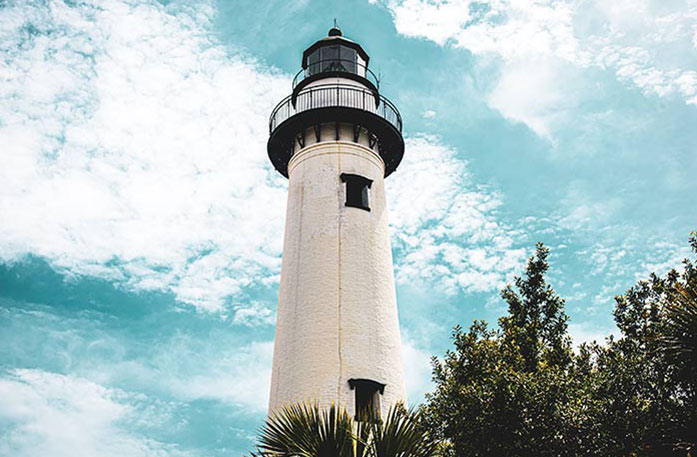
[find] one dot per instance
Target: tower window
(330, 58)
(367, 398)
(314, 64)
(357, 190)
(348, 59)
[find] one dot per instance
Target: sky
(141, 222)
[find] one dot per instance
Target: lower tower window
(357, 190)
(367, 398)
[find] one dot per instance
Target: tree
(303, 430)
(507, 391)
(536, 326)
(635, 389)
(679, 339)
(647, 384)
(520, 390)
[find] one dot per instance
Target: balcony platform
(338, 103)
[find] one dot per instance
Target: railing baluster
(335, 95)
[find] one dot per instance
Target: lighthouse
(336, 138)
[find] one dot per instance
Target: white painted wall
(337, 313)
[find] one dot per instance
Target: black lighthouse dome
(335, 88)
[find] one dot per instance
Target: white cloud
(133, 148)
(417, 371)
(189, 368)
(648, 44)
(511, 28)
(661, 257)
(527, 91)
(529, 39)
(444, 226)
(616, 259)
(237, 376)
(587, 333)
(579, 211)
(172, 360)
(620, 254)
(428, 114)
(58, 415)
(254, 315)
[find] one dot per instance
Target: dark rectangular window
(314, 65)
(367, 398)
(348, 59)
(330, 58)
(357, 190)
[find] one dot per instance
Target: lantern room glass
(332, 58)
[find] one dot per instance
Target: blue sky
(141, 226)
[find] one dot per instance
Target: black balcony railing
(332, 96)
(336, 66)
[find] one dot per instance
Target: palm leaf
(680, 338)
(307, 431)
(399, 436)
(310, 431)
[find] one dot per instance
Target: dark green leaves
(520, 390)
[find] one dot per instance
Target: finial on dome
(335, 31)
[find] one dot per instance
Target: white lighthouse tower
(336, 139)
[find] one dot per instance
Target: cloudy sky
(141, 223)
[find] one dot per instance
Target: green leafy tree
(634, 388)
(507, 391)
(679, 339)
(535, 329)
(646, 384)
(520, 390)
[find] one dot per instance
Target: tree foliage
(520, 389)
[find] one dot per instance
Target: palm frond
(400, 436)
(680, 338)
(302, 430)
